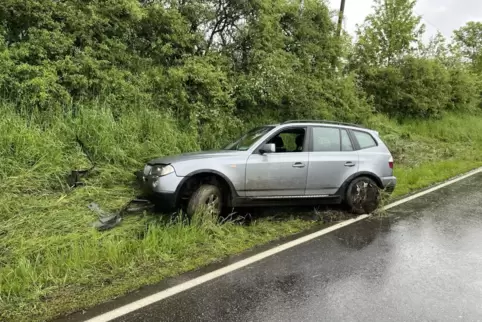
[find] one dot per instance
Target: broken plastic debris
(106, 220)
(109, 220)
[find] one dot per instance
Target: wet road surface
(422, 262)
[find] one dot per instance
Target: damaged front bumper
(159, 190)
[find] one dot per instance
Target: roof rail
(324, 122)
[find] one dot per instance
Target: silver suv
(293, 163)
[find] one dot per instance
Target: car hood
(193, 156)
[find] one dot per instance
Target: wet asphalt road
(423, 262)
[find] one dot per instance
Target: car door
(283, 173)
(332, 159)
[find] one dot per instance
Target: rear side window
(326, 139)
(365, 140)
(345, 141)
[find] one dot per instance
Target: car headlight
(161, 170)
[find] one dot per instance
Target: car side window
(289, 140)
(365, 140)
(326, 139)
(345, 141)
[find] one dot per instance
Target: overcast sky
(444, 15)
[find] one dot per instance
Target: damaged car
(301, 162)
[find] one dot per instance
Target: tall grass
(50, 256)
(52, 261)
(430, 151)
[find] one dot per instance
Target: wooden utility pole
(340, 17)
(338, 32)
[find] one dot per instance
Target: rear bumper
(389, 184)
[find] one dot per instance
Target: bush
(416, 87)
(465, 90)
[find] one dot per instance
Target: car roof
(326, 122)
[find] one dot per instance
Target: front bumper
(163, 200)
(389, 184)
(160, 190)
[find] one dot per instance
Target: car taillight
(390, 162)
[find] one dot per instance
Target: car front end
(159, 183)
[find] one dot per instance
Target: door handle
(298, 165)
(349, 164)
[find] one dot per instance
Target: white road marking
(128, 308)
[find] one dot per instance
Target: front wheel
(362, 196)
(206, 198)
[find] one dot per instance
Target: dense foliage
(198, 59)
(217, 60)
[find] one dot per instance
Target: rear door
(332, 159)
(283, 173)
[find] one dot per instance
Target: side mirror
(268, 148)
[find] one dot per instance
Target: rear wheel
(362, 196)
(206, 198)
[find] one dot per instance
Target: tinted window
(290, 140)
(345, 141)
(365, 140)
(326, 139)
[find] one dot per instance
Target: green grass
(428, 174)
(53, 262)
(428, 152)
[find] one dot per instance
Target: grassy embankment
(53, 262)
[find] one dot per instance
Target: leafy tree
(390, 33)
(469, 40)
(403, 76)
(436, 47)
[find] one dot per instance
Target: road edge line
(151, 299)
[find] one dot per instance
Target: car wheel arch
(342, 190)
(205, 173)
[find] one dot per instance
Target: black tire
(362, 196)
(208, 197)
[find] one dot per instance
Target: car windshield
(248, 139)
